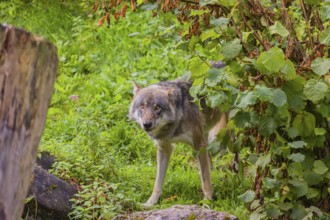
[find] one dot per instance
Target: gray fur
(166, 112)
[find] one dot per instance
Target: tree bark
(28, 66)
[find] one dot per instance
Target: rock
(46, 160)
(179, 212)
(50, 197)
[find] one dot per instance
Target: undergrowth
(108, 158)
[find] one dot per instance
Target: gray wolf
(167, 113)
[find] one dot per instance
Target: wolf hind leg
(164, 151)
(213, 132)
(205, 173)
(204, 162)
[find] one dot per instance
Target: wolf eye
(157, 108)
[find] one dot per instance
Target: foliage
(109, 159)
(275, 86)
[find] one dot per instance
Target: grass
(109, 157)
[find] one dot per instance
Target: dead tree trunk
(28, 66)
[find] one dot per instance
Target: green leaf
(325, 37)
(270, 61)
(193, 41)
(297, 144)
(312, 193)
(298, 212)
(278, 28)
(312, 178)
(279, 98)
(321, 66)
(198, 12)
(257, 216)
(219, 21)
(248, 196)
(263, 161)
(210, 33)
(263, 93)
(319, 167)
(299, 187)
(324, 110)
(270, 183)
(315, 90)
(273, 211)
(292, 132)
(325, 12)
(247, 98)
(304, 123)
(215, 76)
(267, 126)
(216, 99)
(286, 206)
(295, 169)
(231, 49)
(198, 67)
(297, 157)
(289, 70)
(242, 119)
(319, 131)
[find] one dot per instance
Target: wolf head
(155, 108)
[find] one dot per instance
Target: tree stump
(28, 66)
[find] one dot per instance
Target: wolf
(167, 113)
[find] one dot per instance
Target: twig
(255, 34)
(311, 40)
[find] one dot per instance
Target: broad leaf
(312, 193)
(304, 123)
(219, 21)
(263, 93)
(263, 161)
(231, 49)
(297, 144)
(279, 98)
(278, 28)
(320, 167)
(297, 157)
(216, 99)
(325, 37)
(198, 67)
(325, 12)
(321, 66)
(247, 99)
(300, 187)
(315, 90)
(270, 61)
(267, 126)
(209, 34)
(289, 70)
(319, 131)
(312, 178)
(248, 196)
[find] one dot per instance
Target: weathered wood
(28, 66)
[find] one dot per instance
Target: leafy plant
(275, 85)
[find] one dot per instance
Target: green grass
(97, 147)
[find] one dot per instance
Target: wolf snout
(147, 126)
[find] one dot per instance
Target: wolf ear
(136, 88)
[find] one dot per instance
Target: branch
(255, 34)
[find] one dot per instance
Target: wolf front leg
(164, 151)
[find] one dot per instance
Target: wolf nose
(147, 125)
